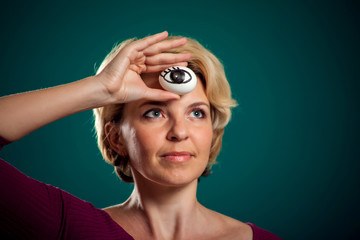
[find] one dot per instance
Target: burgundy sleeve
(261, 234)
(30, 209)
(3, 142)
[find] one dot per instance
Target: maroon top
(30, 209)
(261, 234)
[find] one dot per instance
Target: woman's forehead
(152, 81)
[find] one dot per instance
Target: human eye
(153, 113)
(197, 113)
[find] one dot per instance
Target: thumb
(160, 95)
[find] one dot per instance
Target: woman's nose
(178, 130)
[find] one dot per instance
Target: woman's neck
(166, 212)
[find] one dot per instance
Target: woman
(161, 141)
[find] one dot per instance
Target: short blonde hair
(210, 71)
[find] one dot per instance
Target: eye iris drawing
(177, 76)
(178, 79)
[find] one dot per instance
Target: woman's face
(168, 142)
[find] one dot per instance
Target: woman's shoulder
(235, 229)
(229, 228)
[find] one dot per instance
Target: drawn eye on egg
(178, 79)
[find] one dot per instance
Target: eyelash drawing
(166, 71)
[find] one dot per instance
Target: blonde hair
(210, 71)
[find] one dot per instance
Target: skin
(169, 144)
(163, 204)
(119, 82)
(155, 133)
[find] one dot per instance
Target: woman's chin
(174, 179)
(175, 175)
(177, 181)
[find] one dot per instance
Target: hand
(121, 77)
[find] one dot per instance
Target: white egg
(178, 79)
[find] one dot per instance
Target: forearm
(23, 113)
(119, 82)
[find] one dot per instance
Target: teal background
(290, 158)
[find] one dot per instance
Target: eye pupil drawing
(178, 76)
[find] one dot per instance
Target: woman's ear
(115, 138)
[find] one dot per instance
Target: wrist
(98, 95)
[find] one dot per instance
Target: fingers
(160, 95)
(159, 68)
(141, 44)
(167, 58)
(164, 46)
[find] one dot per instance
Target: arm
(25, 112)
(119, 82)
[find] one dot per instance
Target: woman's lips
(177, 157)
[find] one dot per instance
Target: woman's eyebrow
(156, 103)
(196, 104)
